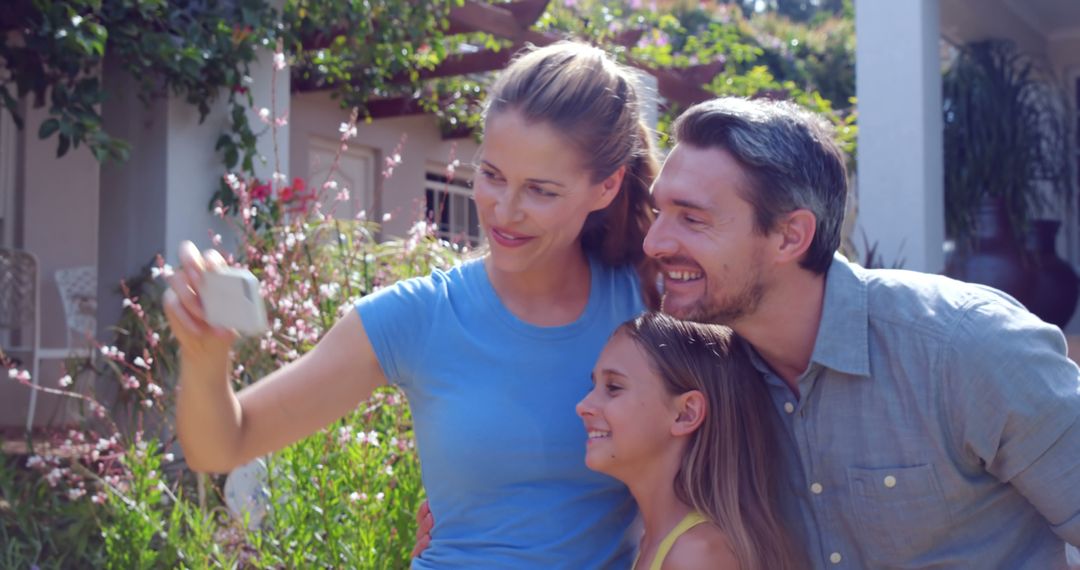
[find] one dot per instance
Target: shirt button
(789, 407)
(835, 558)
(890, 481)
(816, 488)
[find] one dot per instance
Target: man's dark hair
(789, 158)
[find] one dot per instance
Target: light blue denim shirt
(937, 428)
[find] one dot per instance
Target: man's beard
(722, 312)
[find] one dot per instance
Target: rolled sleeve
(1069, 530)
(1016, 408)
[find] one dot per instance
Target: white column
(161, 195)
(900, 160)
(194, 168)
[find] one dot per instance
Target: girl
(678, 413)
(490, 353)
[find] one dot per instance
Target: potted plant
(1006, 161)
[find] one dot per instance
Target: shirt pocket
(900, 511)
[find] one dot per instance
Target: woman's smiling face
(532, 193)
(629, 413)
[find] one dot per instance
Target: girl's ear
(609, 188)
(691, 408)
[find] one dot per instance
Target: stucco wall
(970, 20)
(316, 115)
(61, 217)
(60, 221)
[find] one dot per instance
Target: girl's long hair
(728, 471)
(592, 100)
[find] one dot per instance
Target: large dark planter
(995, 257)
(1055, 286)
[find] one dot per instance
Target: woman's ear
(609, 188)
(691, 408)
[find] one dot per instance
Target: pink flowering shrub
(343, 498)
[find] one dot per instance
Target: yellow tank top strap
(692, 519)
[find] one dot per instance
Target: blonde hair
(728, 473)
(581, 92)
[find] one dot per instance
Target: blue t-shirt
(501, 448)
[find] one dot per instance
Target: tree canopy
(369, 52)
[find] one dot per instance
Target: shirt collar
(842, 339)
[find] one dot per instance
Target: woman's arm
(219, 429)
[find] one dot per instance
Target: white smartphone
(230, 299)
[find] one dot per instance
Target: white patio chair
(78, 293)
(19, 307)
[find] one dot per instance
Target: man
(925, 422)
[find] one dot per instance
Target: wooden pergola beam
(469, 63)
(393, 107)
(513, 21)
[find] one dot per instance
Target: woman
(678, 413)
(491, 354)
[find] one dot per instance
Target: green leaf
(62, 148)
(231, 157)
(48, 127)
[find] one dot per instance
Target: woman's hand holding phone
(199, 340)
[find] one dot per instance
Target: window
(449, 205)
(355, 171)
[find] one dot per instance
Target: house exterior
(73, 211)
(898, 84)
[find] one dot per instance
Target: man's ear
(795, 232)
(609, 188)
(691, 408)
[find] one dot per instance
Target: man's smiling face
(704, 238)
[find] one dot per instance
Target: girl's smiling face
(629, 414)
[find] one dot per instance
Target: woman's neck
(551, 293)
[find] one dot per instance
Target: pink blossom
(163, 271)
(347, 130)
